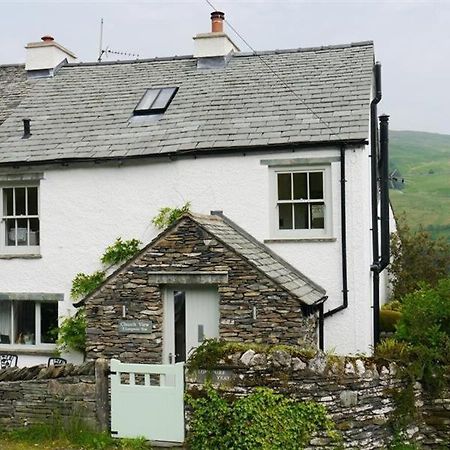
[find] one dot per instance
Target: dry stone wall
(357, 393)
(252, 307)
(40, 394)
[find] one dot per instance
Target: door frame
(168, 331)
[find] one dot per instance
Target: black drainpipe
(343, 240)
(375, 267)
(384, 191)
(321, 343)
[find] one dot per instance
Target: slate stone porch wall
(189, 248)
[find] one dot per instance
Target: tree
(416, 258)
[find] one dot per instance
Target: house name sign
(135, 326)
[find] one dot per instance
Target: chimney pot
(217, 18)
(47, 38)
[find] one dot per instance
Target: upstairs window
(301, 203)
(19, 228)
(155, 101)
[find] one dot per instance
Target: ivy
(83, 284)
(72, 333)
(167, 216)
(261, 420)
(120, 251)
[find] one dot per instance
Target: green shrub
(83, 284)
(167, 216)
(120, 251)
(425, 326)
(416, 258)
(262, 420)
(393, 305)
(389, 319)
(72, 333)
(392, 350)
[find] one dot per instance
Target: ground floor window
(28, 322)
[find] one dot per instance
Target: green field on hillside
(423, 160)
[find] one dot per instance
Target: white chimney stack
(42, 58)
(215, 44)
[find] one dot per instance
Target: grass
(71, 434)
(423, 160)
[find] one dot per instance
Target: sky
(412, 38)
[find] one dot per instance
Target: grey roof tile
(262, 258)
(242, 105)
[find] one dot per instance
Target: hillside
(423, 160)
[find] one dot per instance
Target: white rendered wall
(85, 208)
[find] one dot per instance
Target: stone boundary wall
(40, 394)
(357, 393)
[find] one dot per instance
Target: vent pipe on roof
(26, 128)
(214, 49)
(45, 57)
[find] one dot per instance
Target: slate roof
(84, 111)
(260, 256)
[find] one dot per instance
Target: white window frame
(18, 249)
(38, 345)
(312, 233)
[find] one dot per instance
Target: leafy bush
(120, 251)
(416, 258)
(167, 216)
(389, 319)
(425, 326)
(391, 349)
(262, 420)
(83, 284)
(393, 305)
(72, 333)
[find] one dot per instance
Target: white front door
(191, 315)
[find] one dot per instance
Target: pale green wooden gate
(147, 400)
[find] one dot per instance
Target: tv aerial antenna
(107, 51)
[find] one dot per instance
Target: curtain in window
(5, 322)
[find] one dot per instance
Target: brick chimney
(214, 48)
(43, 58)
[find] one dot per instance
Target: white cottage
(284, 142)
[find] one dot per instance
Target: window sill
(20, 256)
(27, 349)
(304, 239)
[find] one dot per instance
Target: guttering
(375, 267)
(343, 241)
(187, 153)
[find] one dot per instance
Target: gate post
(101, 394)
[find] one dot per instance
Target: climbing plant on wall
(261, 420)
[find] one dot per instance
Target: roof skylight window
(155, 101)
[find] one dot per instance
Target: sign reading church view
(135, 326)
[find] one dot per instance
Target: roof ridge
(13, 65)
(237, 54)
